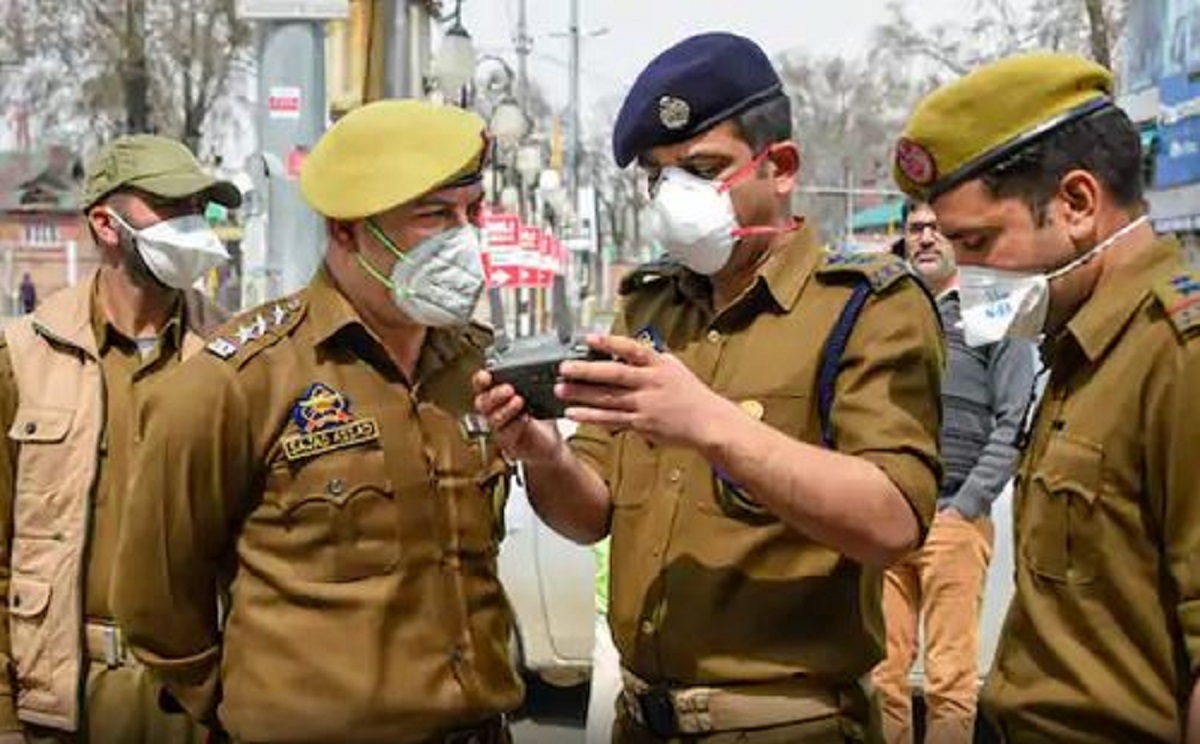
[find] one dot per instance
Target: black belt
(657, 711)
(493, 731)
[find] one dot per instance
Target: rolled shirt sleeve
(887, 402)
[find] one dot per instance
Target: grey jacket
(984, 395)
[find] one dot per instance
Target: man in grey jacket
(984, 394)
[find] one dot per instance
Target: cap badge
(915, 162)
(673, 112)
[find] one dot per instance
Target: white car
(551, 584)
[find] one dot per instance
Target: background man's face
(930, 254)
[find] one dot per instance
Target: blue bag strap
(831, 357)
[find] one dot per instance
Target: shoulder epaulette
(242, 338)
(649, 274)
(881, 270)
(1180, 299)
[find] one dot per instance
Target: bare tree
(93, 68)
(847, 115)
(998, 28)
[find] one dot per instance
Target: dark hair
(1105, 144)
(908, 207)
(767, 123)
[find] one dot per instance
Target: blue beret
(689, 89)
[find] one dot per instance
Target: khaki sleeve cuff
(591, 445)
(915, 477)
(193, 681)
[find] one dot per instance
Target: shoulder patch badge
(1180, 298)
(650, 338)
(325, 422)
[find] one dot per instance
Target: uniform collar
(1117, 296)
(331, 313)
(788, 268)
(328, 308)
(107, 334)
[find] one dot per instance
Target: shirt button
(336, 487)
(675, 475)
(647, 627)
(30, 427)
(714, 337)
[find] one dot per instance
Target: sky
(610, 61)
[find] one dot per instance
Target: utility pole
(524, 45)
(573, 112)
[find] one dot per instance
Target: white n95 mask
(998, 304)
(179, 250)
(439, 281)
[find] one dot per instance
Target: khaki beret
(387, 153)
(157, 165)
(970, 125)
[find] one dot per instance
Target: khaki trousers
(122, 708)
(942, 583)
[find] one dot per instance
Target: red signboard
(501, 230)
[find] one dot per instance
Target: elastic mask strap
(741, 174)
(1099, 249)
(382, 237)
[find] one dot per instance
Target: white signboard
(292, 9)
(283, 102)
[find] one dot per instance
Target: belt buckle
(658, 712)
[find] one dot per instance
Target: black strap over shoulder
(831, 357)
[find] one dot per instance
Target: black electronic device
(531, 364)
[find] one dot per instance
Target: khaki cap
(387, 153)
(965, 127)
(157, 165)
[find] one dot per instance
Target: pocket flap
(1072, 465)
(40, 424)
(28, 597)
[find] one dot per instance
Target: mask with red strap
(695, 219)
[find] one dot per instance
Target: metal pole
(291, 64)
(573, 114)
(524, 45)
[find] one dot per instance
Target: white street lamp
(508, 124)
(529, 163)
(455, 61)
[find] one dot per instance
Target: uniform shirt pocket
(338, 517)
(1060, 513)
(34, 653)
(36, 430)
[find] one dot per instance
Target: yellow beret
(965, 127)
(387, 153)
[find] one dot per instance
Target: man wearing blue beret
(767, 441)
(1036, 178)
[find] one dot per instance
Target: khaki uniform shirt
(1102, 641)
(358, 515)
(126, 373)
(708, 588)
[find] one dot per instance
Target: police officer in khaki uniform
(324, 455)
(767, 441)
(1036, 178)
(71, 375)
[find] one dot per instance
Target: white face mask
(998, 304)
(438, 282)
(695, 220)
(178, 251)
